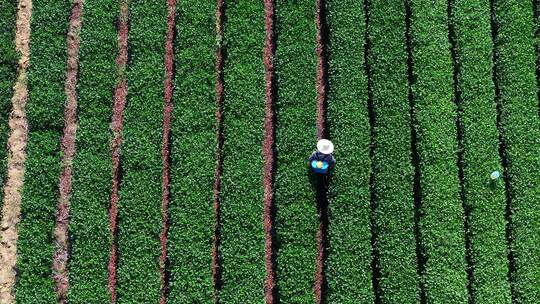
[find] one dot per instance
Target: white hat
(325, 146)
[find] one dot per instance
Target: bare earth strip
(61, 254)
(268, 153)
(120, 94)
(322, 132)
(16, 156)
(167, 110)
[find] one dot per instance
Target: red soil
(321, 75)
(120, 95)
(321, 133)
(61, 255)
(167, 109)
(268, 153)
(216, 270)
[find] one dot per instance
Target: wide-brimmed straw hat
(325, 146)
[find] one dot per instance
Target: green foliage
(38, 210)
(515, 76)
(510, 92)
(441, 221)
(486, 204)
(92, 170)
(8, 74)
(49, 26)
(296, 220)
(242, 234)
(394, 214)
(349, 256)
(45, 118)
(193, 149)
(139, 211)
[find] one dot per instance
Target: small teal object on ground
(495, 175)
(319, 166)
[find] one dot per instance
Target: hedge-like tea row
(536, 8)
(92, 169)
(480, 140)
(139, 210)
(441, 221)
(515, 74)
(349, 256)
(193, 149)
(242, 232)
(296, 220)
(8, 74)
(45, 119)
(394, 211)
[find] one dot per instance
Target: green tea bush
(45, 115)
(518, 106)
(296, 105)
(349, 272)
(92, 165)
(441, 220)
(394, 203)
(139, 209)
(193, 151)
(242, 234)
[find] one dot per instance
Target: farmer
(321, 161)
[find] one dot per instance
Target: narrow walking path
(165, 152)
(120, 95)
(16, 156)
(269, 153)
(61, 255)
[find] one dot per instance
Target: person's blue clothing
(318, 156)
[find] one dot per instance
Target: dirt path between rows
(61, 254)
(120, 98)
(167, 111)
(322, 132)
(268, 153)
(16, 157)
